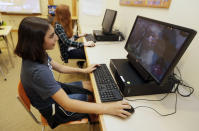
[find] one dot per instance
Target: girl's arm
(114, 108)
(66, 69)
(59, 30)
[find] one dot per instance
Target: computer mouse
(130, 110)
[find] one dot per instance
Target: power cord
(181, 82)
(156, 100)
(148, 99)
(175, 110)
(178, 81)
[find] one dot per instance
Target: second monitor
(106, 34)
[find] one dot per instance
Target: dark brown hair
(31, 33)
(63, 17)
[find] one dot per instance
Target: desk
(144, 119)
(4, 32)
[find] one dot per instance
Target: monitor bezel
(112, 23)
(140, 68)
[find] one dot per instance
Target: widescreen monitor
(155, 47)
(108, 21)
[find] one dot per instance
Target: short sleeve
(46, 85)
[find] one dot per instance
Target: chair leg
(43, 128)
(2, 74)
(90, 127)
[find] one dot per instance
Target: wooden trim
(74, 18)
(50, 2)
(95, 90)
(74, 8)
(14, 30)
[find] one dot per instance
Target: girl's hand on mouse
(117, 109)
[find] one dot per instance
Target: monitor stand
(100, 36)
(132, 84)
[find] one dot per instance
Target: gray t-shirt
(39, 83)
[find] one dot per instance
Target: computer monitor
(51, 10)
(154, 47)
(108, 21)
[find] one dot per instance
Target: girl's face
(50, 39)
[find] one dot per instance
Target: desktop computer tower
(132, 84)
(100, 36)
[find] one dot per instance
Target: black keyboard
(90, 37)
(107, 87)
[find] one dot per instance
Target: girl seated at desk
(57, 102)
(69, 48)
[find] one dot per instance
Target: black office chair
(80, 62)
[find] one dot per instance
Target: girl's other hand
(90, 68)
(89, 44)
(82, 34)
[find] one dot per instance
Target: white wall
(181, 12)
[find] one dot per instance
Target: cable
(177, 81)
(156, 100)
(179, 72)
(181, 82)
(160, 113)
(148, 99)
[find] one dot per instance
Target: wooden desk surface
(144, 119)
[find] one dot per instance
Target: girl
(57, 102)
(63, 28)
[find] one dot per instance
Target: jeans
(82, 97)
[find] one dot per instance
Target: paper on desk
(92, 7)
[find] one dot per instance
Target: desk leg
(6, 41)
(12, 40)
(2, 74)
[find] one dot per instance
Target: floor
(13, 116)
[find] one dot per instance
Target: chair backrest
(25, 101)
(23, 97)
